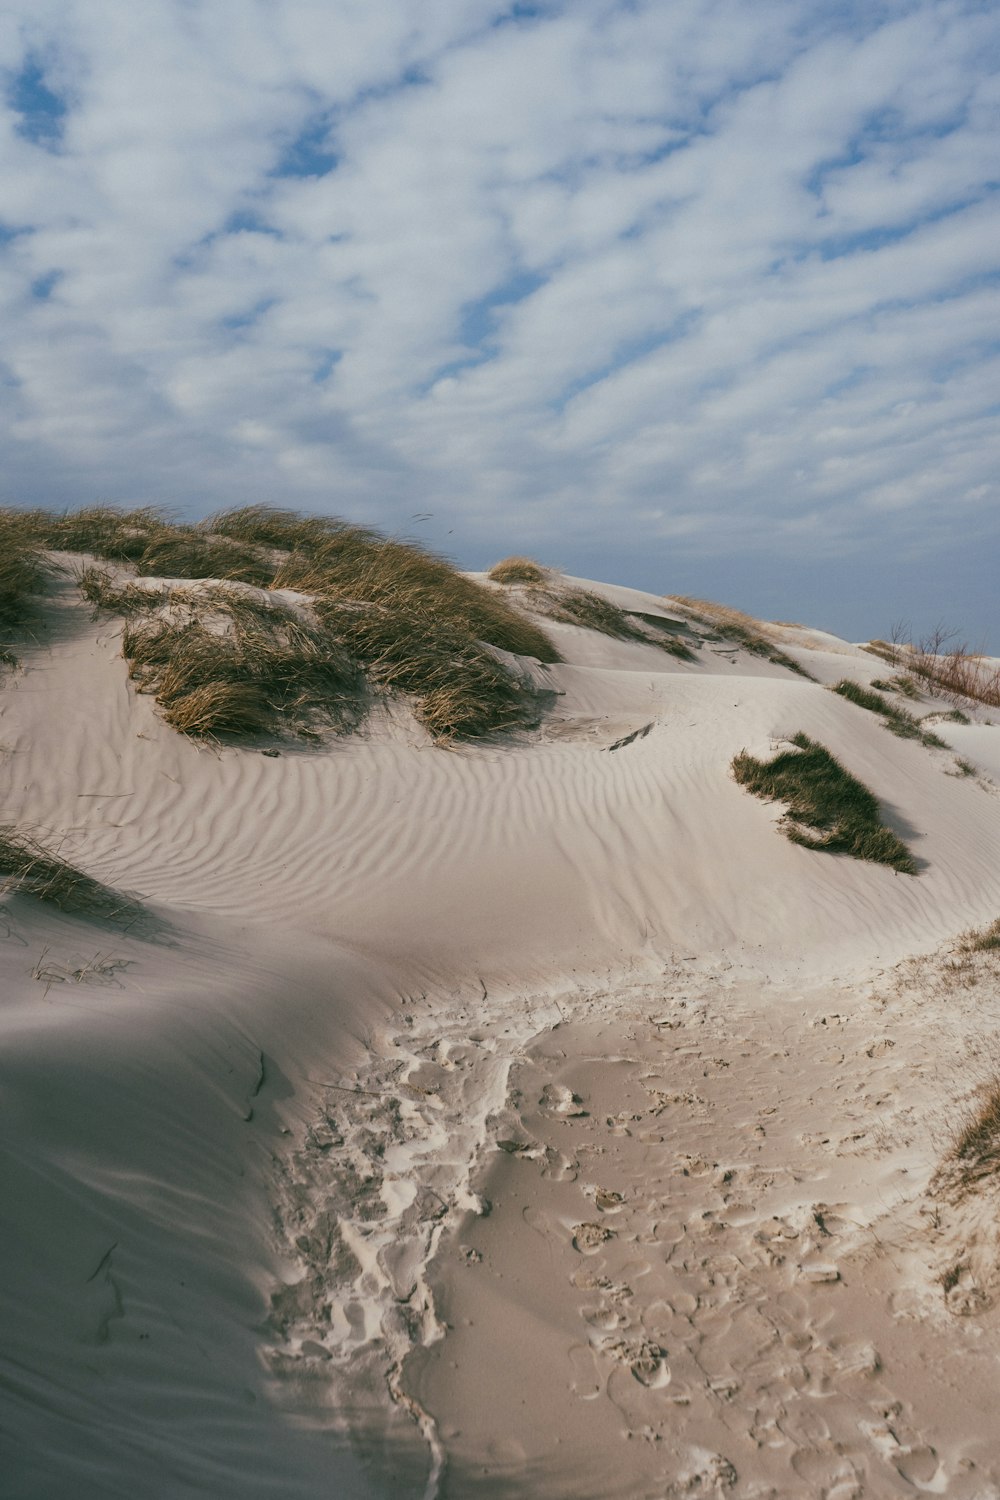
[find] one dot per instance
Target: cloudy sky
(700, 295)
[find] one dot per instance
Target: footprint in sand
(588, 1238)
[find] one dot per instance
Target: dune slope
(251, 1139)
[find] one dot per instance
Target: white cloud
(718, 275)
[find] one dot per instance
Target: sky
(701, 296)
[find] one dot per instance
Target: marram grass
(826, 807)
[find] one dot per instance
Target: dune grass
(27, 867)
(405, 616)
(517, 570)
(827, 807)
(743, 629)
(895, 718)
(23, 574)
(240, 668)
(976, 1152)
(981, 940)
(573, 606)
(193, 554)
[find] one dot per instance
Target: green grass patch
(895, 718)
(827, 807)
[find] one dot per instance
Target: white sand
(248, 1146)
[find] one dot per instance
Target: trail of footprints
(700, 1311)
(707, 1279)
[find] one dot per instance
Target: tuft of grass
(743, 629)
(373, 585)
(28, 867)
(896, 719)
(976, 1151)
(981, 940)
(104, 531)
(289, 530)
(828, 808)
(582, 607)
(963, 768)
(23, 572)
(101, 589)
(192, 554)
(259, 670)
(518, 570)
(398, 576)
(462, 690)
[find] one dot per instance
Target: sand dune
(702, 1076)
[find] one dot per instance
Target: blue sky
(700, 295)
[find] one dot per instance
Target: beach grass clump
(462, 690)
(518, 570)
(574, 606)
(982, 939)
(827, 807)
(101, 588)
(976, 1152)
(744, 630)
(368, 569)
(895, 718)
(193, 554)
(22, 568)
(239, 669)
(103, 531)
(23, 574)
(901, 684)
(28, 867)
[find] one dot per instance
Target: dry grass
(591, 611)
(896, 719)
(518, 570)
(409, 618)
(744, 630)
(462, 690)
(976, 1152)
(244, 669)
(103, 531)
(192, 554)
(22, 569)
(827, 807)
(981, 940)
(29, 868)
(101, 589)
(960, 673)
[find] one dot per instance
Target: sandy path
(707, 1267)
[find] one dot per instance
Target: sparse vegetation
(963, 768)
(901, 684)
(742, 629)
(573, 606)
(896, 719)
(517, 570)
(981, 940)
(28, 867)
(827, 807)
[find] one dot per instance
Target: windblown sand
(526, 1120)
